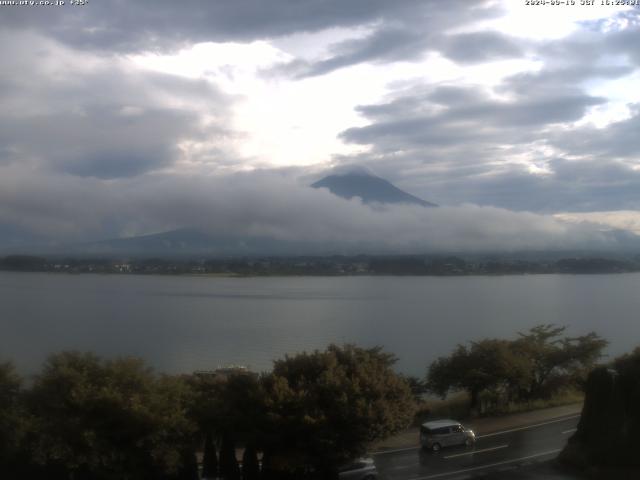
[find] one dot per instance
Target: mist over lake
(182, 324)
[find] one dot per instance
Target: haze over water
(182, 324)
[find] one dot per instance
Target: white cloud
(274, 205)
(621, 219)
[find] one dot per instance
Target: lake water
(181, 324)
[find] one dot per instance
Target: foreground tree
(108, 419)
(606, 441)
(231, 403)
(250, 464)
(229, 468)
(326, 407)
(538, 364)
(11, 420)
(209, 459)
(188, 469)
(418, 387)
(555, 362)
(484, 365)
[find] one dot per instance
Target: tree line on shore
(333, 265)
(84, 417)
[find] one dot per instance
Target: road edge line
(473, 452)
(526, 427)
(480, 467)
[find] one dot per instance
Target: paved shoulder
(409, 438)
(488, 425)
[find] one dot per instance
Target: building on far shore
(223, 373)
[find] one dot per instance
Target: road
(494, 452)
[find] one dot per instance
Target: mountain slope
(369, 188)
(193, 242)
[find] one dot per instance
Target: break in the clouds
(122, 118)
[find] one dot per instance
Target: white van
(444, 433)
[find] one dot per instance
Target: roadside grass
(566, 397)
(458, 406)
(455, 405)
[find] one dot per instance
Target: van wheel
(436, 447)
(468, 442)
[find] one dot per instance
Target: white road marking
(571, 430)
(480, 467)
(382, 452)
(476, 451)
(402, 467)
(558, 420)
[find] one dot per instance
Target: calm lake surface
(181, 324)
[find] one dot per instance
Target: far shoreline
(308, 275)
(532, 263)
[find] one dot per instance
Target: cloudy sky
(123, 118)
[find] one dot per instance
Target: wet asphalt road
(504, 451)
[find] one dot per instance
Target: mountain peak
(370, 188)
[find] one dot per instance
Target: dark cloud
(476, 177)
(100, 142)
(453, 95)
(479, 47)
(99, 118)
(556, 80)
(516, 146)
(111, 163)
(409, 34)
(422, 100)
(384, 45)
(618, 140)
(398, 30)
(567, 185)
(125, 26)
(485, 176)
(468, 118)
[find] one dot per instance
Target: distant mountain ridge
(187, 241)
(368, 187)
